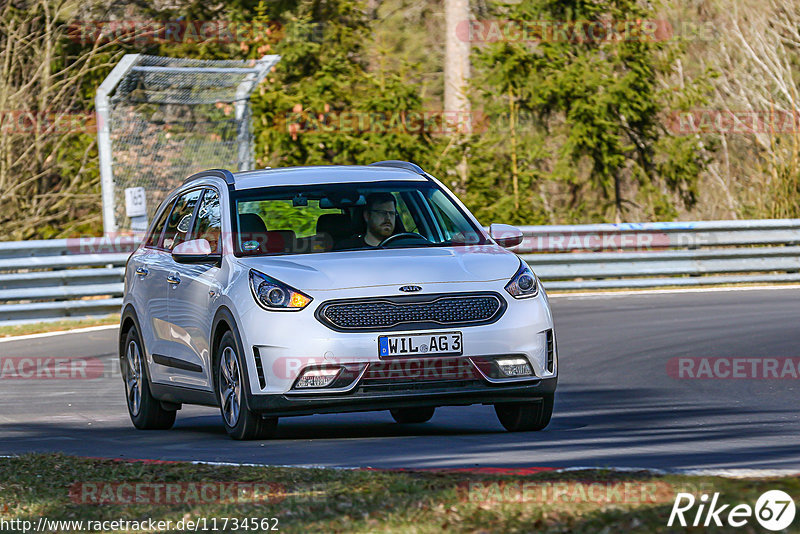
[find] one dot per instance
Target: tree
(323, 106)
(756, 108)
(49, 179)
(593, 91)
(457, 69)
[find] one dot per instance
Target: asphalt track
(616, 406)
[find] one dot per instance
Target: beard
(383, 231)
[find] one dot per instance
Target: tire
(525, 417)
(231, 389)
(145, 410)
(412, 415)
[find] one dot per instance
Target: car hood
(388, 267)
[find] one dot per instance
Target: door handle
(174, 278)
(142, 271)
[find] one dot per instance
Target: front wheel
(240, 422)
(525, 417)
(412, 415)
(145, 410)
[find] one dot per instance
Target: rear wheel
(412, 415)
(524, 417)
(240, 421)
(145, 410)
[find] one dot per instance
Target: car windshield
(351, 216)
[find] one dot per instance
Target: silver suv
(306, 290)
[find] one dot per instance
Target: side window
(208, 224)
(409, 224)
(158, 227)
(180, 219)
(453, 224)
(444, 221)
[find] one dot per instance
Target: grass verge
(60, 487)
(56, 326)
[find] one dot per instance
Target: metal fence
(70, 278)
(186, 114)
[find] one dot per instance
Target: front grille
(420, 311)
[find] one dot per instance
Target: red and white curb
(510, 471)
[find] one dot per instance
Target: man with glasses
(380, 215)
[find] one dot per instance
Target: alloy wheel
(133, 382)
(230, 386)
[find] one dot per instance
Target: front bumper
(427, 395)
(278, 346)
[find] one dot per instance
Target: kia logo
(410, 289)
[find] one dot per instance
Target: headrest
(279, 241)
(337, 225)
(252, 233)
(250, 223)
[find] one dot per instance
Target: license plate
(420, 344)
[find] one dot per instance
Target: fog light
(514, 366)
(318, 378)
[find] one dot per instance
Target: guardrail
(67, 278)
(56, 278)
(646, 255)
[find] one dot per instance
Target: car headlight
(274, 295)
(524, 284)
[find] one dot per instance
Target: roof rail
(413, 167)
(219, 173)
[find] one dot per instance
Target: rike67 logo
(774, 510)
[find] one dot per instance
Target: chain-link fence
(162, 119)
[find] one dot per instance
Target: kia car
(326, 289)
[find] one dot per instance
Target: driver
(380, 215)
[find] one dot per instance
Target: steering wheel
(402, 235)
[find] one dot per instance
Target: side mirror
(505, 235)
(194, 251)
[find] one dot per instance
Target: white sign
(135, 202)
